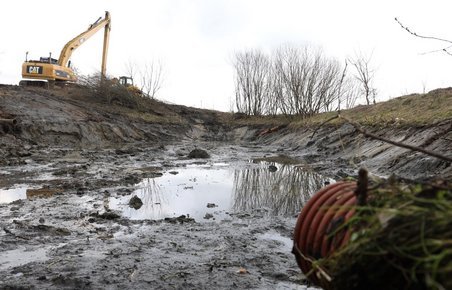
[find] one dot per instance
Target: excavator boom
(73, 44)
(51, 70)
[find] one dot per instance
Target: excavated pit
(213, 223)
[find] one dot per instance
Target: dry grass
(410, 110)
(117, 100)
(269, 121)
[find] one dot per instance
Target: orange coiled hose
(316, 233)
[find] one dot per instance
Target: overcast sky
(195, 40)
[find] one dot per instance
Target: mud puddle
(21, 256)
(215, 191)
(244, 215)
(13, 194)
(25, 192)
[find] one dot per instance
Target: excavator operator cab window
(48, 60)
(126, 81)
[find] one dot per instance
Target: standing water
(214, 191)
(13, 194)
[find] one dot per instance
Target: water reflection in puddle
(24, 192)
(13, 194)
(225, 189)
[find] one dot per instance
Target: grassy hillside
(410, 110)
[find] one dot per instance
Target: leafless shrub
(251, 73)
(364, 74)
(148, 77)
(350, 93)
(311, 82)
(131, 69)
(293, 80)
(151, 79)
(106, 90)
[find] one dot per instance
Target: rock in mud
(272, 168)
(131, 179)
(108, 215)
(208, 216)
(198, 153)
(51, 230)
(135, 202)
(180, 219)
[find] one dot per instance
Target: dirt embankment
(67, 118)
(73, 118)
(342, 150)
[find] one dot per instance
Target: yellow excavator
(48, 71)
(127, 82)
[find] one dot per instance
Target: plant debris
(402, 239)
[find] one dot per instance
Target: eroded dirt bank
(342, 150)
(62, 119)
(83, 155)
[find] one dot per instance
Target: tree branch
(421, 36)
(439, 50)
(445, 50)
(323, 123)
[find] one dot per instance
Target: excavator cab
(126, 81)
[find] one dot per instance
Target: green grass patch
(402, 239)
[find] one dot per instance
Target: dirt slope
(74, 119)
(342, 150)
(422, 120)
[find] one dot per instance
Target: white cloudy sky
(195, 40)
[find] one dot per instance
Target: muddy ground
(82, 154)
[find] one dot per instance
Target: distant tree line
(296, 81)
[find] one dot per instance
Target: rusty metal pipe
(12, 122)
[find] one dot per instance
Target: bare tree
(251, 72)
(344, 74)
(349, 93)
(294, 80)
(275, 92)
(131, 69)
(310, 82)
(364, 74)
(290, 71)
(148, 77)
(151, 79)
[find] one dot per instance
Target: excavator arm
(73, 44)
(47, 71)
